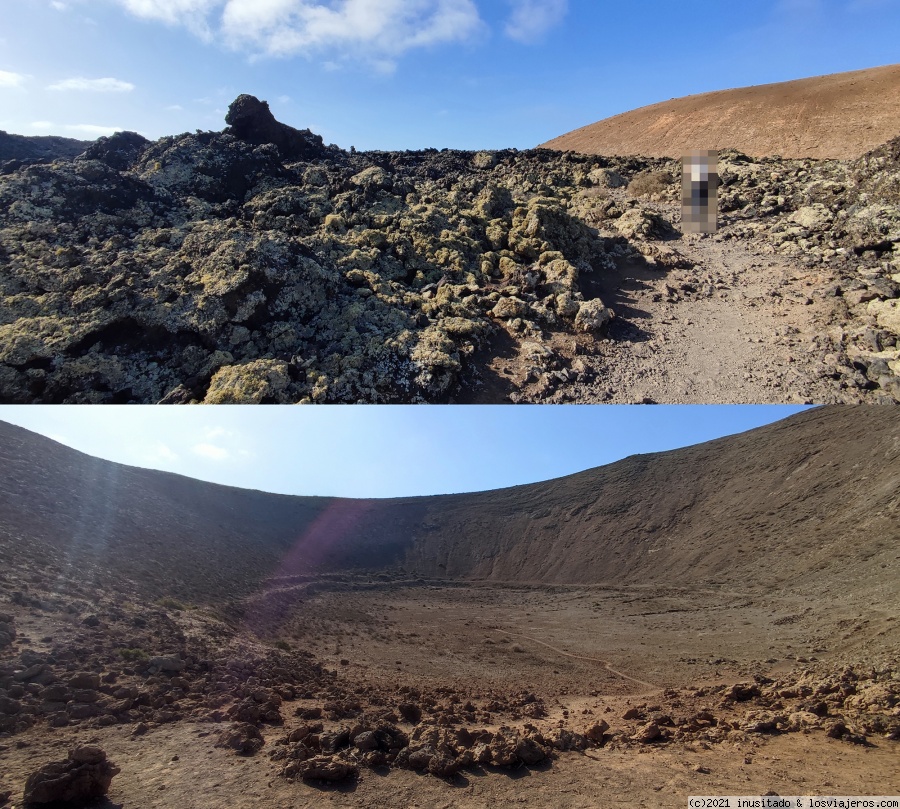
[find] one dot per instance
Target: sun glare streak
(318, 542)
(91, 533)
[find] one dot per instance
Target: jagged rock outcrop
(251, 120)
(119, 151)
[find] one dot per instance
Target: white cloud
(93, 85)
(8, 79)
(162, 452)
(175, 108)
(192, 14)
(58, 5)
(217, 432)
(93, 129)
(368, 28)
(211, 451)
(531, 19)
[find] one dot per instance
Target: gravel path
(739, 326)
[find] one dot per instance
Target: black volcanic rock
(119, 151)
(257, 265)
(252, 121)
(43, 147)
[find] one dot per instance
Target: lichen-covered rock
(288, 271)
(251, 383)
(510, 307)
(637, 223)
(210, 267)
(593, 316)
(606, 178)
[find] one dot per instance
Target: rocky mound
(42, 147)
(841, 116)
(259, 265)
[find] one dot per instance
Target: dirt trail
(654, 688)
(738, 327)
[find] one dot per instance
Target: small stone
(593, 316)
(168, 663)
(243, 738)
(648, 733)
(595, 732)
(85, 680)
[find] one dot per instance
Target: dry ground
(584, 652)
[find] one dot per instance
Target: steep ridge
(841, 115)
(812, 501)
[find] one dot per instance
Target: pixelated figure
(699, 181)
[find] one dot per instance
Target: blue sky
(408, 74)
(393, 451)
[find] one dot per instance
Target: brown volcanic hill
(842, 115)
(811, 502)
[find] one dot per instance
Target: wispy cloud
(191, 14)
(8, 79)
(159, 453)
(377, 30)
(211, 451)
(94, 130)
(59, 6)
(93, 85)
(531, 19)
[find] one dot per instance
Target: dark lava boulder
(251, 120)
(119, 151)
(84, 775)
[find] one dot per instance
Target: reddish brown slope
(842, 115)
